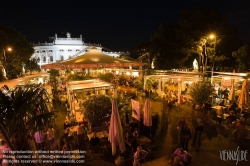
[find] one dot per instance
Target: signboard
(226, 82)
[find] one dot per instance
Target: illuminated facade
(64, 48)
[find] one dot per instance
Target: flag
(135, 109)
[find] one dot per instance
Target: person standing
(139, 156)
(72, 120)
(51, 136)
(181, 124)
(133, 125)
(80, 133)
(39, 138)
(94, 143)
(185, 136)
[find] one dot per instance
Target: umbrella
(244, 96)
(147, 120)
(115, 130)
(232, 92)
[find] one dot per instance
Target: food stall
(79, 91)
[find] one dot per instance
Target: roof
(94, 58)
(89, 84)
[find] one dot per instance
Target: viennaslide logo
(233, 155)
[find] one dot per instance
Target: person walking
(198, 132)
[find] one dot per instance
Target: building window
(50, 51)
(51, 58)
(43, 51)
(61, 57)
(44, 58)
(69, 50)
(77, 50)
(37, 51)
(61, 50)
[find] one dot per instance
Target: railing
(69, 39)
(43, 44)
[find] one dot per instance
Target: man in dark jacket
(198, 132)
(185, 136)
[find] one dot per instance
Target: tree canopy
(21, 49)
(242, 56)
(97, 109)
(177, 45)
(31, 65)
(200, 92)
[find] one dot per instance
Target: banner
(135, 109)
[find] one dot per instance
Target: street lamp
(5, 60)
(212, 71)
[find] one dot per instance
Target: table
(102, 134)
(143, 140)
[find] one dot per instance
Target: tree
(22, 110)
(197, 24)
(54, 73)
(21, 52)
(97, 109)
(242, 56)
(145, 54)
(108, 77)
(31, 65)
(165, 47)
(200, 92)
(77, 77)
(177, 45)
(123, 80)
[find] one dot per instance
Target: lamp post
(5, 60)
(212, 71)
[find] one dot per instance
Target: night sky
(116, 25)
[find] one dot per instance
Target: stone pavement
(208, 154)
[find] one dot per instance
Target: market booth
(79, 91)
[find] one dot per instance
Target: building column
(40, 57)
(179, 90)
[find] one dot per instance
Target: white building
(64, 48)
